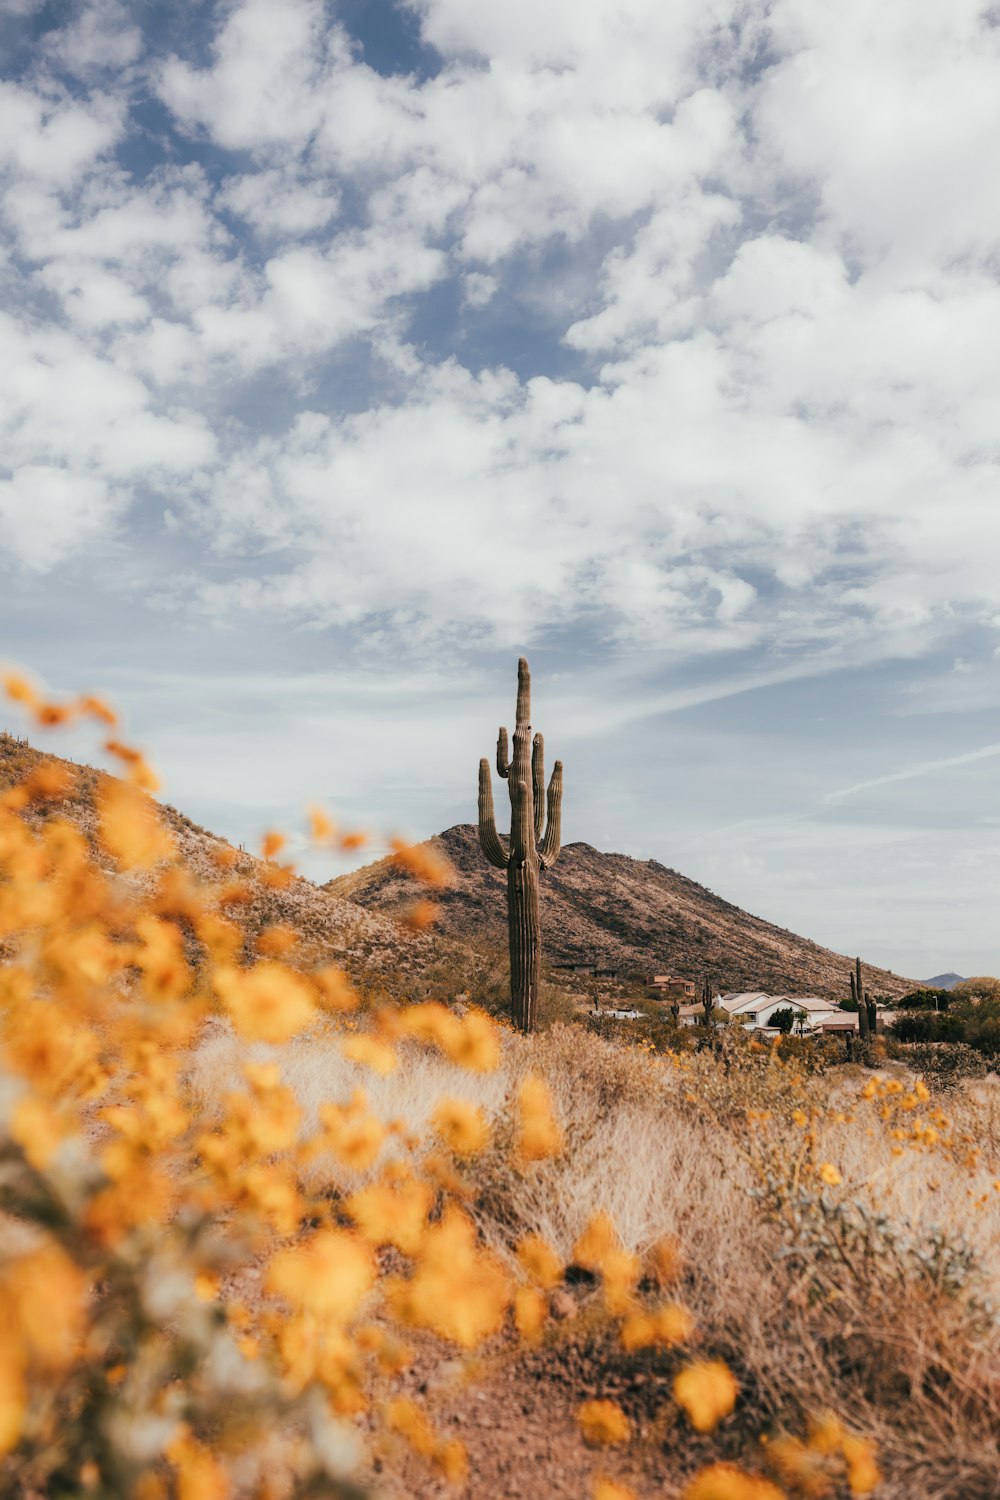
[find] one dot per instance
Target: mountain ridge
(638, 916)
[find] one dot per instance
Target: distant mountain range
(943, 981)
(637, 917)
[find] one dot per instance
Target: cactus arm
(538, 783)
(551, 843)
(523, 693)
(503, 758)
(489, 839)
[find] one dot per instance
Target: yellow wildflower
(423, 861)
(392, 1212)
(603, 1423)
(458, 1289)
(539, 1136)
(268, 1003)
(462, 1126)
(530, 1311)
(129, 826)
(829, 1174)
(707, 1392)
(610, 1489)
(322, 828)
(724, 1481)
(665, 1326)
(664, 1262)
(540, 1261)
(329, 1275)
(405, 1417)
(862, 1471)
(371, 1053)
(474, 1045)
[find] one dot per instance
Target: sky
(350, 350)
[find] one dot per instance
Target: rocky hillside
(379, 952)
(637, 917)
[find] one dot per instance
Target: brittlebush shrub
(215, 1269)
(189, 1307)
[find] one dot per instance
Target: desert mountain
(378, 951)
(635, 917)
(943, 981)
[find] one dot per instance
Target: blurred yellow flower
(540, 1261)
(371, 1053)
(863, 1473)
(329, 1275)
(458, 1289)
(462, 1126)
(475, 1044)
(665, 1326)
(609, 1489)
(321, 826)
(405, 1417)
(351, 1132)
(129, 827)
(723, 1481)
(392, 1212)
(530, 1311)
(423, 861)
(829, 1174)
(603, 1423)
(335, 990)
(538, 1134)
(268, 1003)
(707, 1392)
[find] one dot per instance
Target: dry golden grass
(898, 1337)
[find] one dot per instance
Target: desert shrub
(206, 1277)
(239, 1252)
(928, 1026)
(946, 1062)
(925, 999)
(979, 987)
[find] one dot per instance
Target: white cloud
(49, 137)
(102, 39)
(47, 513)
(792, 435)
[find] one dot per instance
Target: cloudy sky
(349, 349)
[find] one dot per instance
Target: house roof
(738, 1002)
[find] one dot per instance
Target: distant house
(755, 1009)
(587, 967)
(671, 987)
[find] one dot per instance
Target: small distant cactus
(706, 1001)
(867, 1010)
(534, 843)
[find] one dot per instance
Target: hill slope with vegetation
(635, 916)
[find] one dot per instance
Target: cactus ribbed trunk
(529, 851)
(861, 999)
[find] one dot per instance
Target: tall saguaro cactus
(535, 819)
(867, 1011)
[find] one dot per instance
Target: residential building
(756, 1009)
(671, 987)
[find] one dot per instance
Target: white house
(755, 1009)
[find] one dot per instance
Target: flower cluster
(186, 1307)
